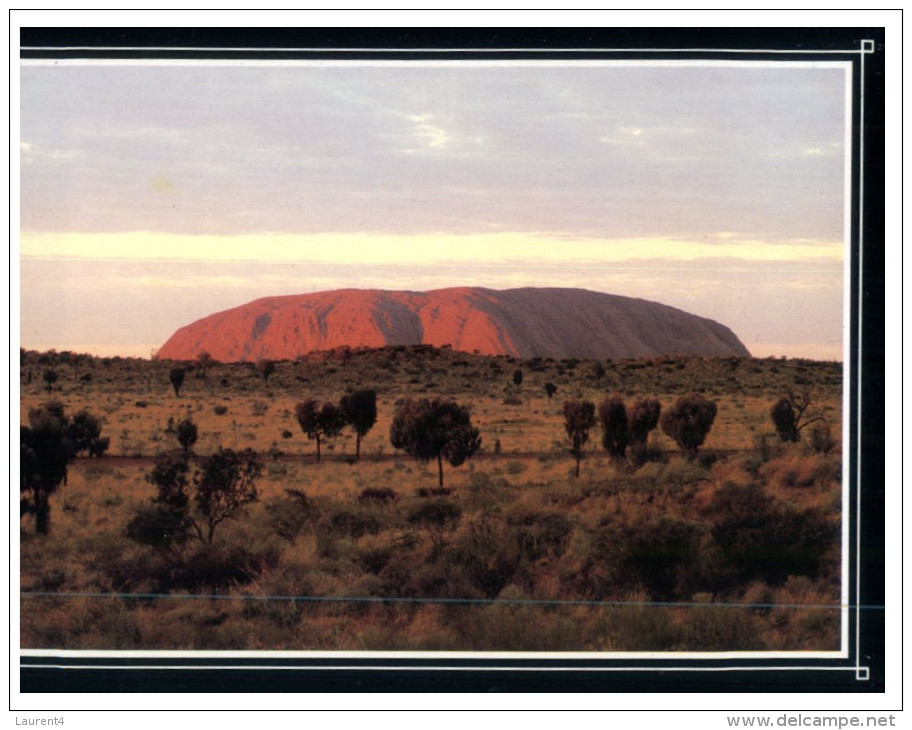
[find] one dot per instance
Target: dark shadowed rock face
(530, 322)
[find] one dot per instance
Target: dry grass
(526, 531)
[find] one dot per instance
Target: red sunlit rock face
(530, 322)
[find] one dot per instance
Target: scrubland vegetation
(208, 522)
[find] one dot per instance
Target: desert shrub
(769, 541)
(440, 513)
(539, 535)
(768, 447)
(160, 526)
(487, 553)
(287, 517)
(719, 628)
(426, 492)
(141, 404)
(220, 410)
(374, 559)
(354, 524)
(660, 555)
(512, 400)
(480, 481)
(822, 440)
(797, 470)
(288, 579)
(377, 495)
(259, 408)
(514, 468)
(217, 566)
(639, 628)
(431, 580)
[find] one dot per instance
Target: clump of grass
(377, 495)
(425, 492)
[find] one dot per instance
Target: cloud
(470, 249)
(429, 136)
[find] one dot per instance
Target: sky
(155, 194)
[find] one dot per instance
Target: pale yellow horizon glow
(430, 249)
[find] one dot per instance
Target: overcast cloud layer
(662, 160)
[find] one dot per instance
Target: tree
(435, 429)
(517, 378)
(642, 418)
(177, 379)
(550, 390)
(265, 368)
(225, 484)
(317, 422)
(579, 417)
(50, 377)
(185, 508)
(689, 421)
(615, 430)
(187, 434)
(598, 371)
(203, 361)
(361, 412)
(45, 451)
(85, 433)
(790, 415)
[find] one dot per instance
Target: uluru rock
(528, 322)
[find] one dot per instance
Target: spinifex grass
(515, 553)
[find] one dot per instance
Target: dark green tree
(265, 368)
(790, 415)
(579, 418)
(185, 507)
(176, 376)
(318, 422)
(615, 431)
(187, 434)
(224, 484)
(435, 429)
(360, 410)
(50, 377)
(166, 522)
(203, 363)
(45, 451)
(550, 390)
(642, 418)
(85, 433)
(688, 422)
